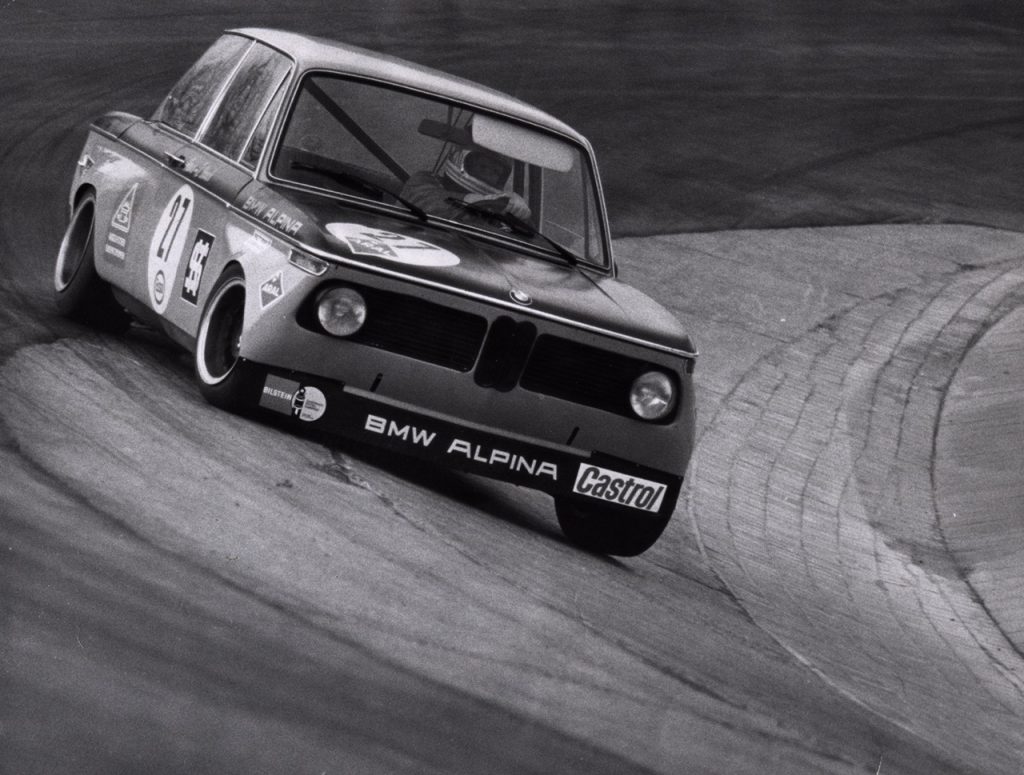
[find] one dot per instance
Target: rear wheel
(224, 376)
(608, 530)
(78, 290)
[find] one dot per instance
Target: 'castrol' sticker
(167, 246)
(364, 241)
(620, 489)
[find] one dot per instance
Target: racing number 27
(179, 209)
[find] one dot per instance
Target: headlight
(341, 311)
(653, 395)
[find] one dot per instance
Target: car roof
(314, 53)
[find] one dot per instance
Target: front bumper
(586, 476)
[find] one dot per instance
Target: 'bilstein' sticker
(290, 397)
(378, 243)
(620, 489)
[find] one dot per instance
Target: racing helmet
(478, 171)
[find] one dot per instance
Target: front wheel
(224, 377)
(78, 291)
(608, 530)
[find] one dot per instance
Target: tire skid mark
(1011, 303)
(825, 162)
(863, 336)
(452, 700)
(944, 347)
(891, 380)
(69, 365)
(884, 390)
(317, 623)
(343, 469)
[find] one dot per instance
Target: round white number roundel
(167, 246)
(378, 243)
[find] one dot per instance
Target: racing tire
(78, 291)
(608, 530)
(224, 377)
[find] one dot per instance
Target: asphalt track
(831, 205)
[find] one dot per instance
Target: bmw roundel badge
(520, 297)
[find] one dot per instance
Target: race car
(359, 244)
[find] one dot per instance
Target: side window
(189, 101)
(252, 153)
(260, 73)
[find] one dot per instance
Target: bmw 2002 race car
(395, 256)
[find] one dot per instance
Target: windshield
(385, 145)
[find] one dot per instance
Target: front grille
(421, 329)
(504, 354)
(582, 374)
(510, 352)
(415, 328)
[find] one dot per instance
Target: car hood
(446, 256)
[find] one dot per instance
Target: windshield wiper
(366, 185)
(519, 226)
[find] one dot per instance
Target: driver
(475, 176)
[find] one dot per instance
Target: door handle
(173, 160)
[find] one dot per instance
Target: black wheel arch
(84, 190)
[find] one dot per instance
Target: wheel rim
(220, 333)
(75, 248)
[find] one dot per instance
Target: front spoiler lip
(386, 423)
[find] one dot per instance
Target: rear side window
(251, 157)
(252, 88)
(189, 101)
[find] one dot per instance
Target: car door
(129, 179)
(219, 164)
(161, 204)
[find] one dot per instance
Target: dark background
(703, 115)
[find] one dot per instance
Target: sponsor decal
(120, 225)
(196, 264)
(309, 404)
(385, 427)
(620, 489)
(378, 243)
(114, 252)
(168, 244)
(498, 457)
(272, 290)
(461, 448)
(277, 394)
(159, 287)
(122, 218)
(280, 220)
(290, 397)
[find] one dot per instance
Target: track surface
(182, 590)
